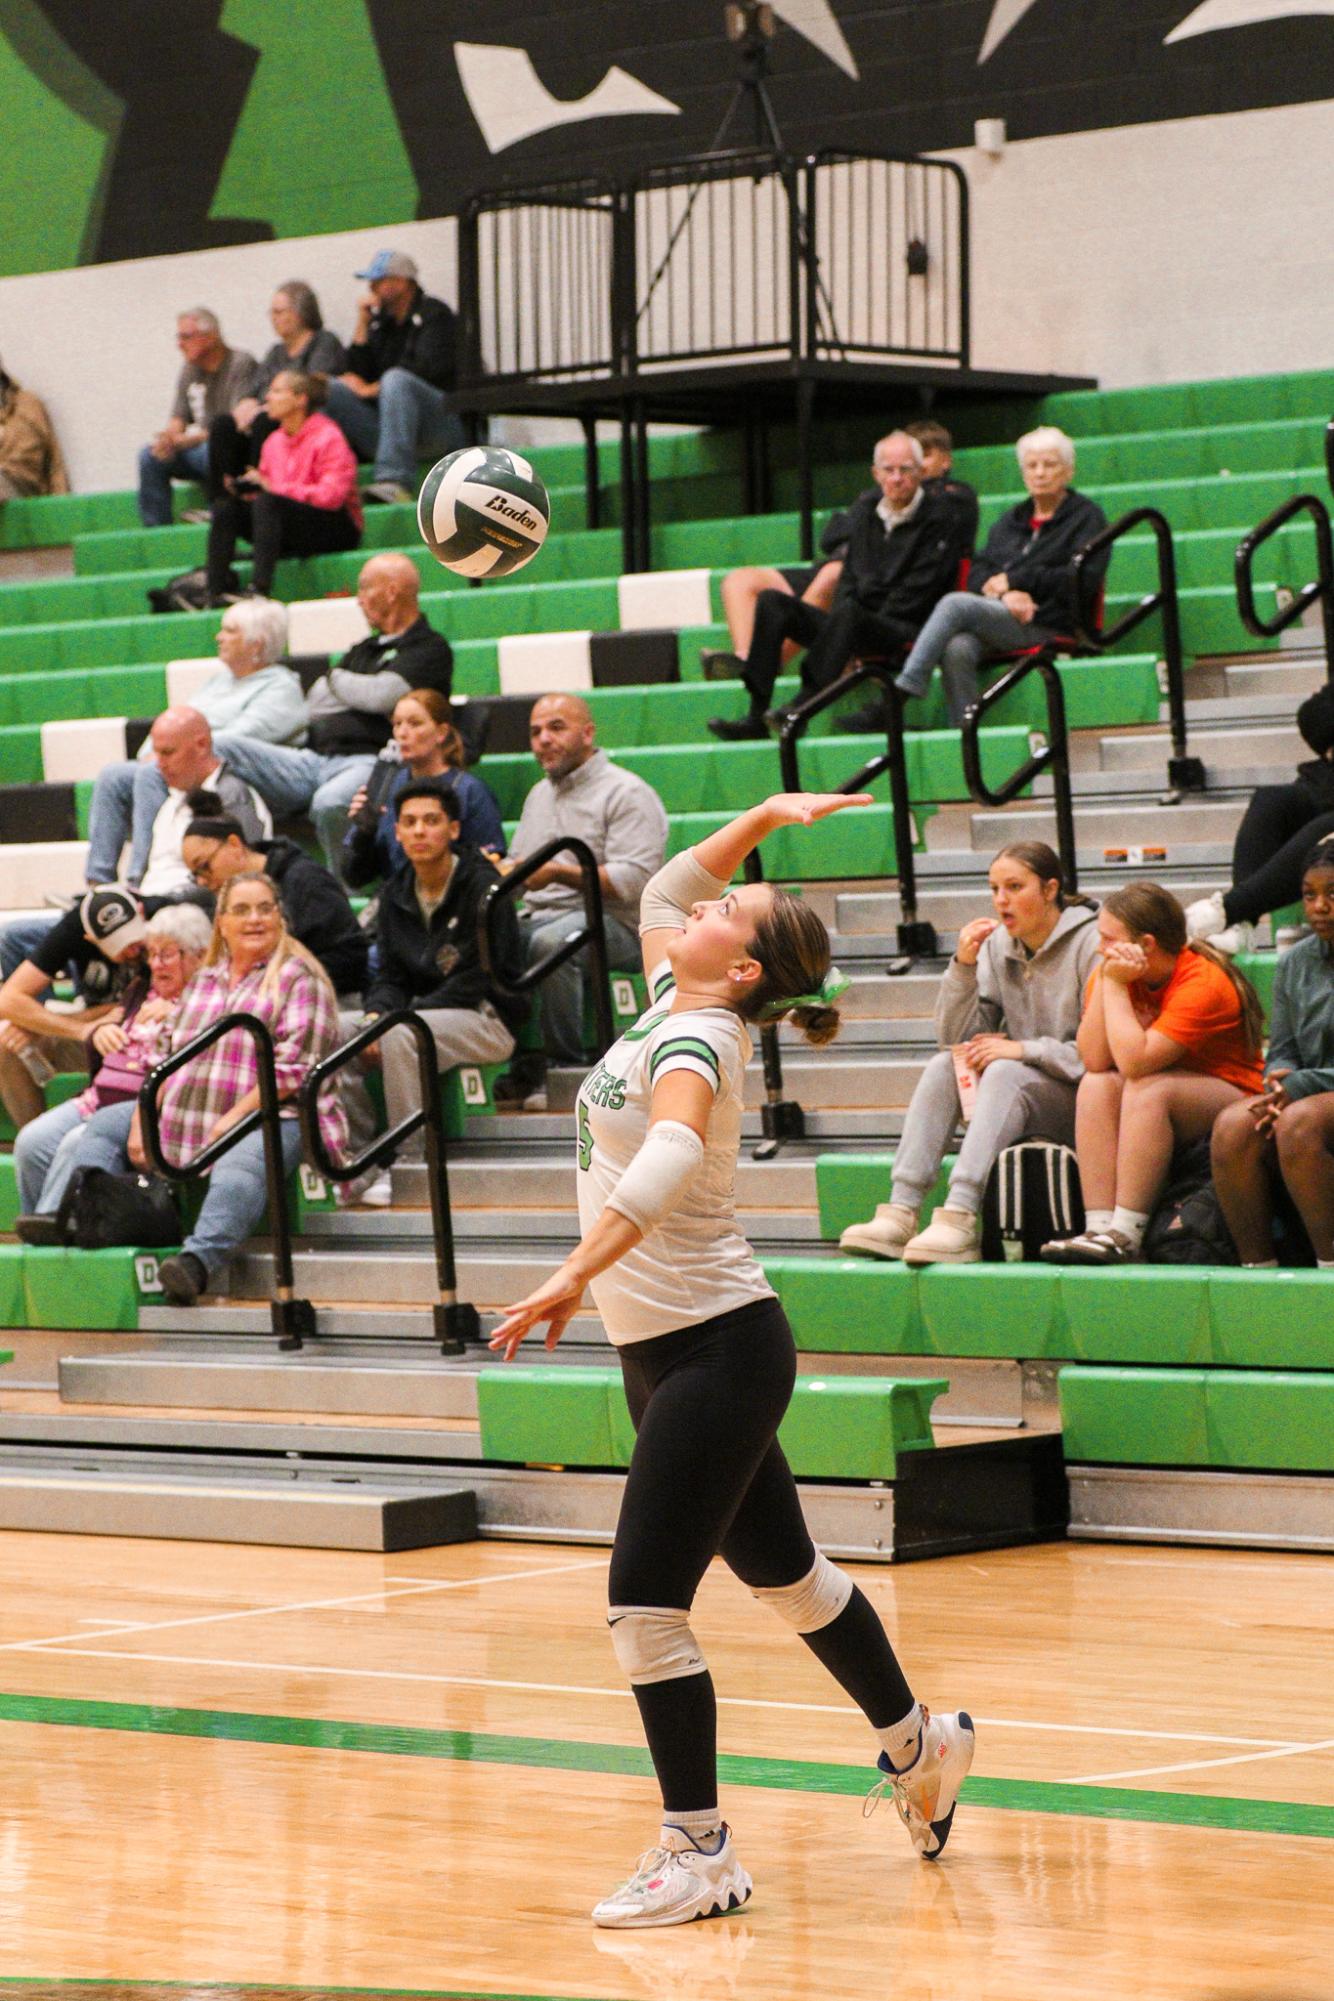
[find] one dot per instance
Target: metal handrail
(456, 1322)
(1183, 771)
(1320, 591)
(781, 1118)
(1053, 755)
(292, 1318)
(510, 885)
(915, 937)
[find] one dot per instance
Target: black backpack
(187, 592)
(100, 1209)
(1032, 1194)
(1187, 1227)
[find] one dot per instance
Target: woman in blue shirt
(428, 746)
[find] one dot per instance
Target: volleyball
(483, 512)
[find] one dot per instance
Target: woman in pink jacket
(300, 500)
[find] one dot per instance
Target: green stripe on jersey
(682, 1045)
(665, 981)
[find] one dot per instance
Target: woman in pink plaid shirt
(254, 966)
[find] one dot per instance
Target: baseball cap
(113, 920)
(390, 264)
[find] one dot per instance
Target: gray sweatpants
(1013, 1101)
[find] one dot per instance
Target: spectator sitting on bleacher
(250, 695)
(429, 958)
(254, 966)
(1170, 1038)
(622, 820)
(902, 553)
(305, 344)
(100, 942)
(428, 746)
(939, 476)
(213, 378)
(1020, 591)
(314, 903)
(129, 1041)
(30, 458)
(350, 707)
(742, 589)
(300, 500)
(1288, 1133)
(1007, 1015)
(390, 401)
(1279, 827)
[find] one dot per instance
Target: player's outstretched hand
(800, 809)
(556, 1302)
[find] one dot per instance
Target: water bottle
(379, 784)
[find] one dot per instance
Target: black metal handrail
(916, 938)
(1053, 755)
(1183, 771)
(510, 885)
(1320, 591)
(456, 1322)
(292, 1318)
(781, 1118)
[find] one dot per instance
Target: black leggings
(831, 638)
(274, 526)
(231, 450)
(1279, 825)
(708, 1477)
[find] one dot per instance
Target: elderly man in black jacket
(390, 402)
(902, 553)
(1021, 591)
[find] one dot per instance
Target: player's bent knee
(654, 1643)
(815, 1600)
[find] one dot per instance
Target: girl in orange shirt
(1170, 1036)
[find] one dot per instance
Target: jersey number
(585, 1139)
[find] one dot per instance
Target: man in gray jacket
(623, 821)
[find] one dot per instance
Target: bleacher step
(1226, 749)
(1243, 1510)
(1193, 823)
(397, 1379)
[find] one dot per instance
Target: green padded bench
(1280, 1421)
(843, 1428)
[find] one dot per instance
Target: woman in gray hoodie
(1006, 1018)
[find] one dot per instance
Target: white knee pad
(654, 1643)
(815, 1600)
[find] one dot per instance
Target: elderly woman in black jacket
(1020, 591)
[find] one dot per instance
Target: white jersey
(696, 1263)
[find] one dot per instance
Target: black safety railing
(541, 285)
(590, 936)
(1184, 772)
(1319, 591)
(456, 1321)
(1052, 755)
(916, 939)
(781, 1119)
(292, 1318)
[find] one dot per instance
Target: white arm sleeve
(658, 1176)
(669, 896)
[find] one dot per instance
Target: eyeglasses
(202, 870)
(163, 955)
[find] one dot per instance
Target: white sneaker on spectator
(1206, 917)
(387, 493)
(380, 1194)
(1237, 938)
(884, 1236)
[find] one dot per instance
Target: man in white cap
(390, 403)
(101, 940)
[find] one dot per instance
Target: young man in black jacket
(902, 553)
(390, 403)
(428, 956)
(1021, 588)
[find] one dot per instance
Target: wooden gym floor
(271, 1774)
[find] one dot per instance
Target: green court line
(1296, 1817)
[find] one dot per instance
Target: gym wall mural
(135, 128)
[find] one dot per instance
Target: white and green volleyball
(483, 512)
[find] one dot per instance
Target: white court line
(1279, 1746)
(1203, 1764)
(308, 1605)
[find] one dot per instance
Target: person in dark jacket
(390, 402)
(902, 552)
(1279, 825)
(428, 955)
(350, 707)
(1020, 589)
(939, 476)
(314, 904)
(425, 745)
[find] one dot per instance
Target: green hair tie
(831, 986)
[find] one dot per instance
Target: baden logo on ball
(483, 512)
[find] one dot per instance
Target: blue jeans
(156, 476)
(19, 940)
(298, 781)
(562, 992)
(127, 798)
(406, 422)
(44, 1156)
(237, 1189)
(959, 634)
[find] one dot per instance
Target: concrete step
(1141, 785)
(529, 1181)
(391, 1378)
(1237, 750)
(1193, 823)
(1274, 677)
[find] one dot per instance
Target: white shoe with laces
(927, 1793)
(380, 1193)
(675, 1883)
(1206, 917)
(1239, 937)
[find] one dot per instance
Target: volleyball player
(708, 1362)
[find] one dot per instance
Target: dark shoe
(775, 719)
(750, 728)
(719, 665)
(183, 1277)
(36, 1230)
(1092, 1247)
(873, 720)
(525, 1075)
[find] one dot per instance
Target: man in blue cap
(400, 365)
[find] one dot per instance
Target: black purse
(100, 1209)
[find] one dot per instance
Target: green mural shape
(56, 149)
(317, 147)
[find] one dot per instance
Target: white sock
(704, 1827)
(903, 1740)
(1098, 1219)
(1260, 1264)
(1131, 1223)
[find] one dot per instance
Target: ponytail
(1252, 1012)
